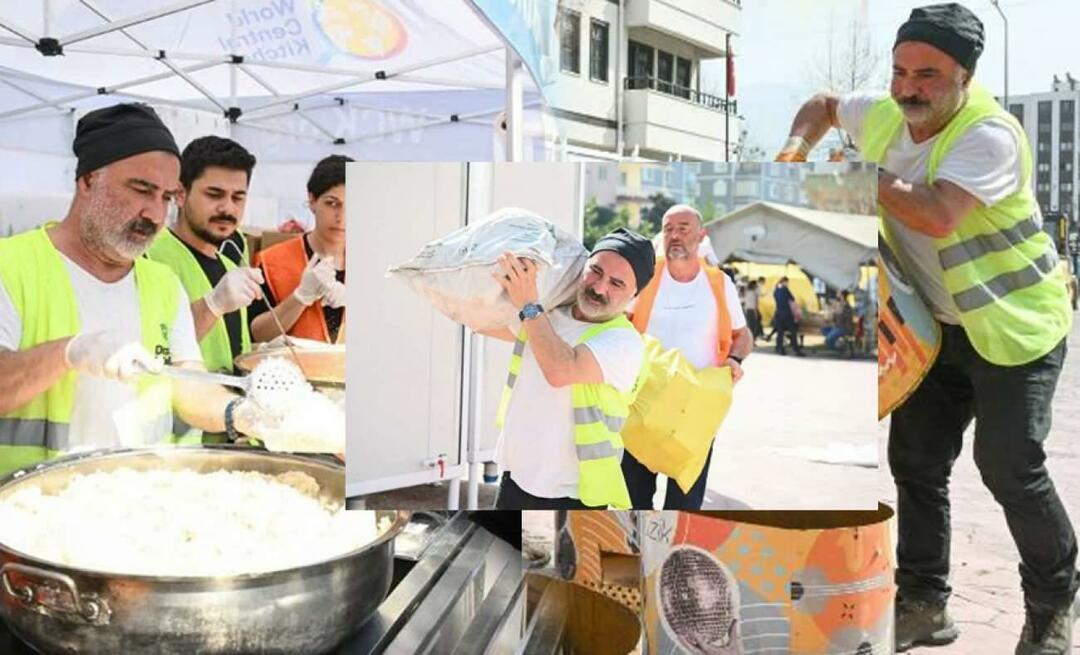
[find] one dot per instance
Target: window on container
(682, 78)
(598, 50)
(665, 71)
(640, 65)
(570, 41)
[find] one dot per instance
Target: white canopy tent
(828, 245)
(291, 80)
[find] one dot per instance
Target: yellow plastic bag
(676, 414)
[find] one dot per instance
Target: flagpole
(727, 98)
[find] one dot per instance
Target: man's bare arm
(561, 364)
(204, 318)
(743, 343)
(935, 210)
(27, 373)
(812, 122)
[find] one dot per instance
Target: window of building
(1066, 187)
(1043, 167)
(665, 71)
(598, 50)
(640, 65)
(1046, 110)
(570, 41)
(682, 78)
(1066, 146)
(1018, 112)
(602, 172)
(622, 179)
(1068, 111)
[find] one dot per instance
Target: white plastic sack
(454, 272)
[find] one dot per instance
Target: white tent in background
(292, 80)
(828, 245)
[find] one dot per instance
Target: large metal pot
(309, 609)
(323, 365)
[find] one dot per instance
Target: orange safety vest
(643, 306)
(283, 265)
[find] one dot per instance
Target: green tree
(708, 212)
(653, 217)
(599, 221)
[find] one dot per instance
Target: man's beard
(677, 251)
(211, 237)
(122, 241)
(593, 305)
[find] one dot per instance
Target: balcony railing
(707, 100)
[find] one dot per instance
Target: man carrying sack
(572, 378)
(958, 212)
(695, 308)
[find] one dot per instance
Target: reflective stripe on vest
(38, 284)
(999, 266)
(283, 265)
(599, 412)
(215, 345)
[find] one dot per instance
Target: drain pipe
(620, 83)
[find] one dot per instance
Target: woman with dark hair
(305, 276)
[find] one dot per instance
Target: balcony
(664, 120)
(701, 22)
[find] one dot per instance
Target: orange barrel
(803, 582)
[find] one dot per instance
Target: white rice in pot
(183, 523)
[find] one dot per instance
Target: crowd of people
(92, 307)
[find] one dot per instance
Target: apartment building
(629, 83)
(1050, 121)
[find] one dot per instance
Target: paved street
(788, 414)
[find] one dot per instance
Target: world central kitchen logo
(319, 29)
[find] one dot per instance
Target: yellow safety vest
(37, 281)
(600, 410)
(1000, 267)
(215, 345)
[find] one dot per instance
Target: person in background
(695, 308)
(305, 276)
(842, 323)
(784, 320)
(750, 300)
(215, 174)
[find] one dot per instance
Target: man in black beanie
(572, 376)
(959, 216)
(84, 317)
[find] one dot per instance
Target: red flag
(730, 67)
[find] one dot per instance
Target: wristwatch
(738, 360)
(529, 311)
(230, 427)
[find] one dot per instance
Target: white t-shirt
(101, 405)
(684, 316)
(537, 442)
(984, 161)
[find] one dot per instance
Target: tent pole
(120, 24)
(309, 68)
(46, 18)
(82, 95)
(233, 65)
(514, 137)
(18, 31)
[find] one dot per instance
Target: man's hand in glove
(237, 288)
(109, 355)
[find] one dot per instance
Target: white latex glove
(335, 297)
(109, 355)
(319, 275)
(237, 288)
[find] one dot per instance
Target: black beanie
(635, 249)
(113, 133)
(951, 28)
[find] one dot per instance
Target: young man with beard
(84, 316)
(960, 215)
(693, 307)
(215, 174)
(572, 377)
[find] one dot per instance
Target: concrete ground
(790, 418)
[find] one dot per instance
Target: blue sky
(781, 40)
